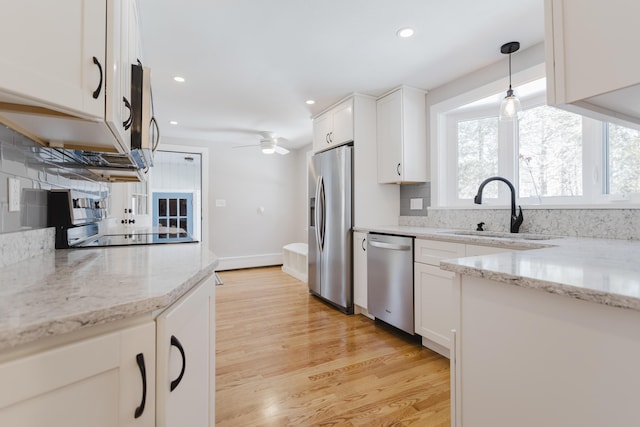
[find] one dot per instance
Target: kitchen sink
(502, 235)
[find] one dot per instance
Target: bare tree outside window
(477, 155)
(550, 153)
(623, 158)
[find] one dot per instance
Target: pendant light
(510, 106)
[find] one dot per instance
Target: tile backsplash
(598, 223)
(420, 193)
(25, 160)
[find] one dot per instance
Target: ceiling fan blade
(281, 150)
(245, 146)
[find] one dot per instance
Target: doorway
(176, 191)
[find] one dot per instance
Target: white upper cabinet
(591, 65)
(76, 66)
(333, 127)
(54, 55)
(402, 136)
(122, 51)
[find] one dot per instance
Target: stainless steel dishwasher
(390, 280)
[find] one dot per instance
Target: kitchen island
(547, 335)
(109, 336)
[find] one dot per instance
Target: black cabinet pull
(143, 374)
(127, 123)
(176, 344)
(363, 247)
(96, 93)
(398, 169)
(154, 124)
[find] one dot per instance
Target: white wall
(246, 180)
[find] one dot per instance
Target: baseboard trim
(236, 263)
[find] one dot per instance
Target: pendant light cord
(509, 71)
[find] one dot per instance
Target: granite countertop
(62, 291)
(603, 271)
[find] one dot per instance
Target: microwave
(145, 133)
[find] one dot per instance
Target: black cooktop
(135, 239)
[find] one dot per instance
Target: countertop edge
(585, 294)
(19, 335)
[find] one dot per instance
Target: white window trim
(443, 178)
(440, 196)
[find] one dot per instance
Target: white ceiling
(250, 65)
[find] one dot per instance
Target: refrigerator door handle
(318, 211)
(323, 213)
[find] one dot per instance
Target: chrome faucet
(516, 221)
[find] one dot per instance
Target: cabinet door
(186, 360)
(360, 269)
(92, 382)
(589, 65)
(117, 109)
(321, 132)
(56, 69)
(138, 376)
(389, 135)
(342, 123)
(433, 303)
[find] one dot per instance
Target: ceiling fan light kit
(268, 144)
(510, 107)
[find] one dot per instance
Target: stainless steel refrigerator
(330, 221)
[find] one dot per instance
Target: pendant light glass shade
(510, 107)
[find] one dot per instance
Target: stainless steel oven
(76, 217)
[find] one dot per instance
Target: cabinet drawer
(431, 252)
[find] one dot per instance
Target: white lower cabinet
(360, 271)
(524, 357)
(107, 380)
(433, 290)
(433, 301)
(186, 360)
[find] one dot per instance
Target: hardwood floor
(283, 358)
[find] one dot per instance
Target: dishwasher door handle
(391, 246)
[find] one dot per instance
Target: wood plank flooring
(283, 358)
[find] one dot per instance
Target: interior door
(173, 210)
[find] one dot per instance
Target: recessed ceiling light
(173, 122)
(309, 102)
(405, 32)
(179, 79)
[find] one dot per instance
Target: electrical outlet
(416, 204)
(14, 195)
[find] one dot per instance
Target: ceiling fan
(269, 144)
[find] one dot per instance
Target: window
(623, 160)
(549, 153)
(552, 156)
(477, 155)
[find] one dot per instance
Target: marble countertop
(64, 290)
(603, 271)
